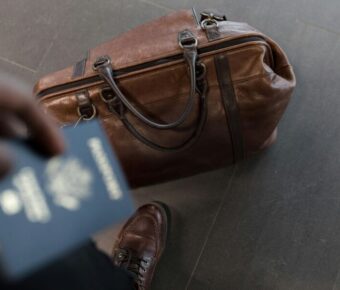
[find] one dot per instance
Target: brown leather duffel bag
(180, 95)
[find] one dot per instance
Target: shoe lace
(133, 264)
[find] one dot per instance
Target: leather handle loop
(86, 110)
(118, 103)
(106, 72)
(189, 44)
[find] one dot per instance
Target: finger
(5, 161)
(44, 135)
(11, 127)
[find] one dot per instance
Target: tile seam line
(17, 64)
(319, 27)
(335, 281)
(211, 228)
(42, 60)
(149, 2)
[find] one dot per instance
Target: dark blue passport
(48, 207)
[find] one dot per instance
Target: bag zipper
(123, 71)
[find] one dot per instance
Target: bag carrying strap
(116, 106)
(118, 103)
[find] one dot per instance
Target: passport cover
(48, 207)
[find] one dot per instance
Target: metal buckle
(211, 19)
(101, 61)
(84, 115)
(186, 39)
(208, 23)
(107, 95)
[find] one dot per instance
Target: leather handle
(191, 140)
(118, 103)
(189, 44)
(116, 106)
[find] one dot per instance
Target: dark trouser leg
(84, 269)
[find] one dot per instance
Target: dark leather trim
(230, 105)
(213, 33)
(210, 20)
(85, 106)
(79, 68)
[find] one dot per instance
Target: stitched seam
(139, 74)
(174, 53)
(178, 51)
(68, 95)
(109, 115)
(227, 49)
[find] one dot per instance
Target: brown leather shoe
(141, 242)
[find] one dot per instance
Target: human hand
(21, 118)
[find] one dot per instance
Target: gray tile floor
(272, 222)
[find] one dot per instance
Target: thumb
(5, 161)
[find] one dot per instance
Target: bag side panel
(263, 96)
